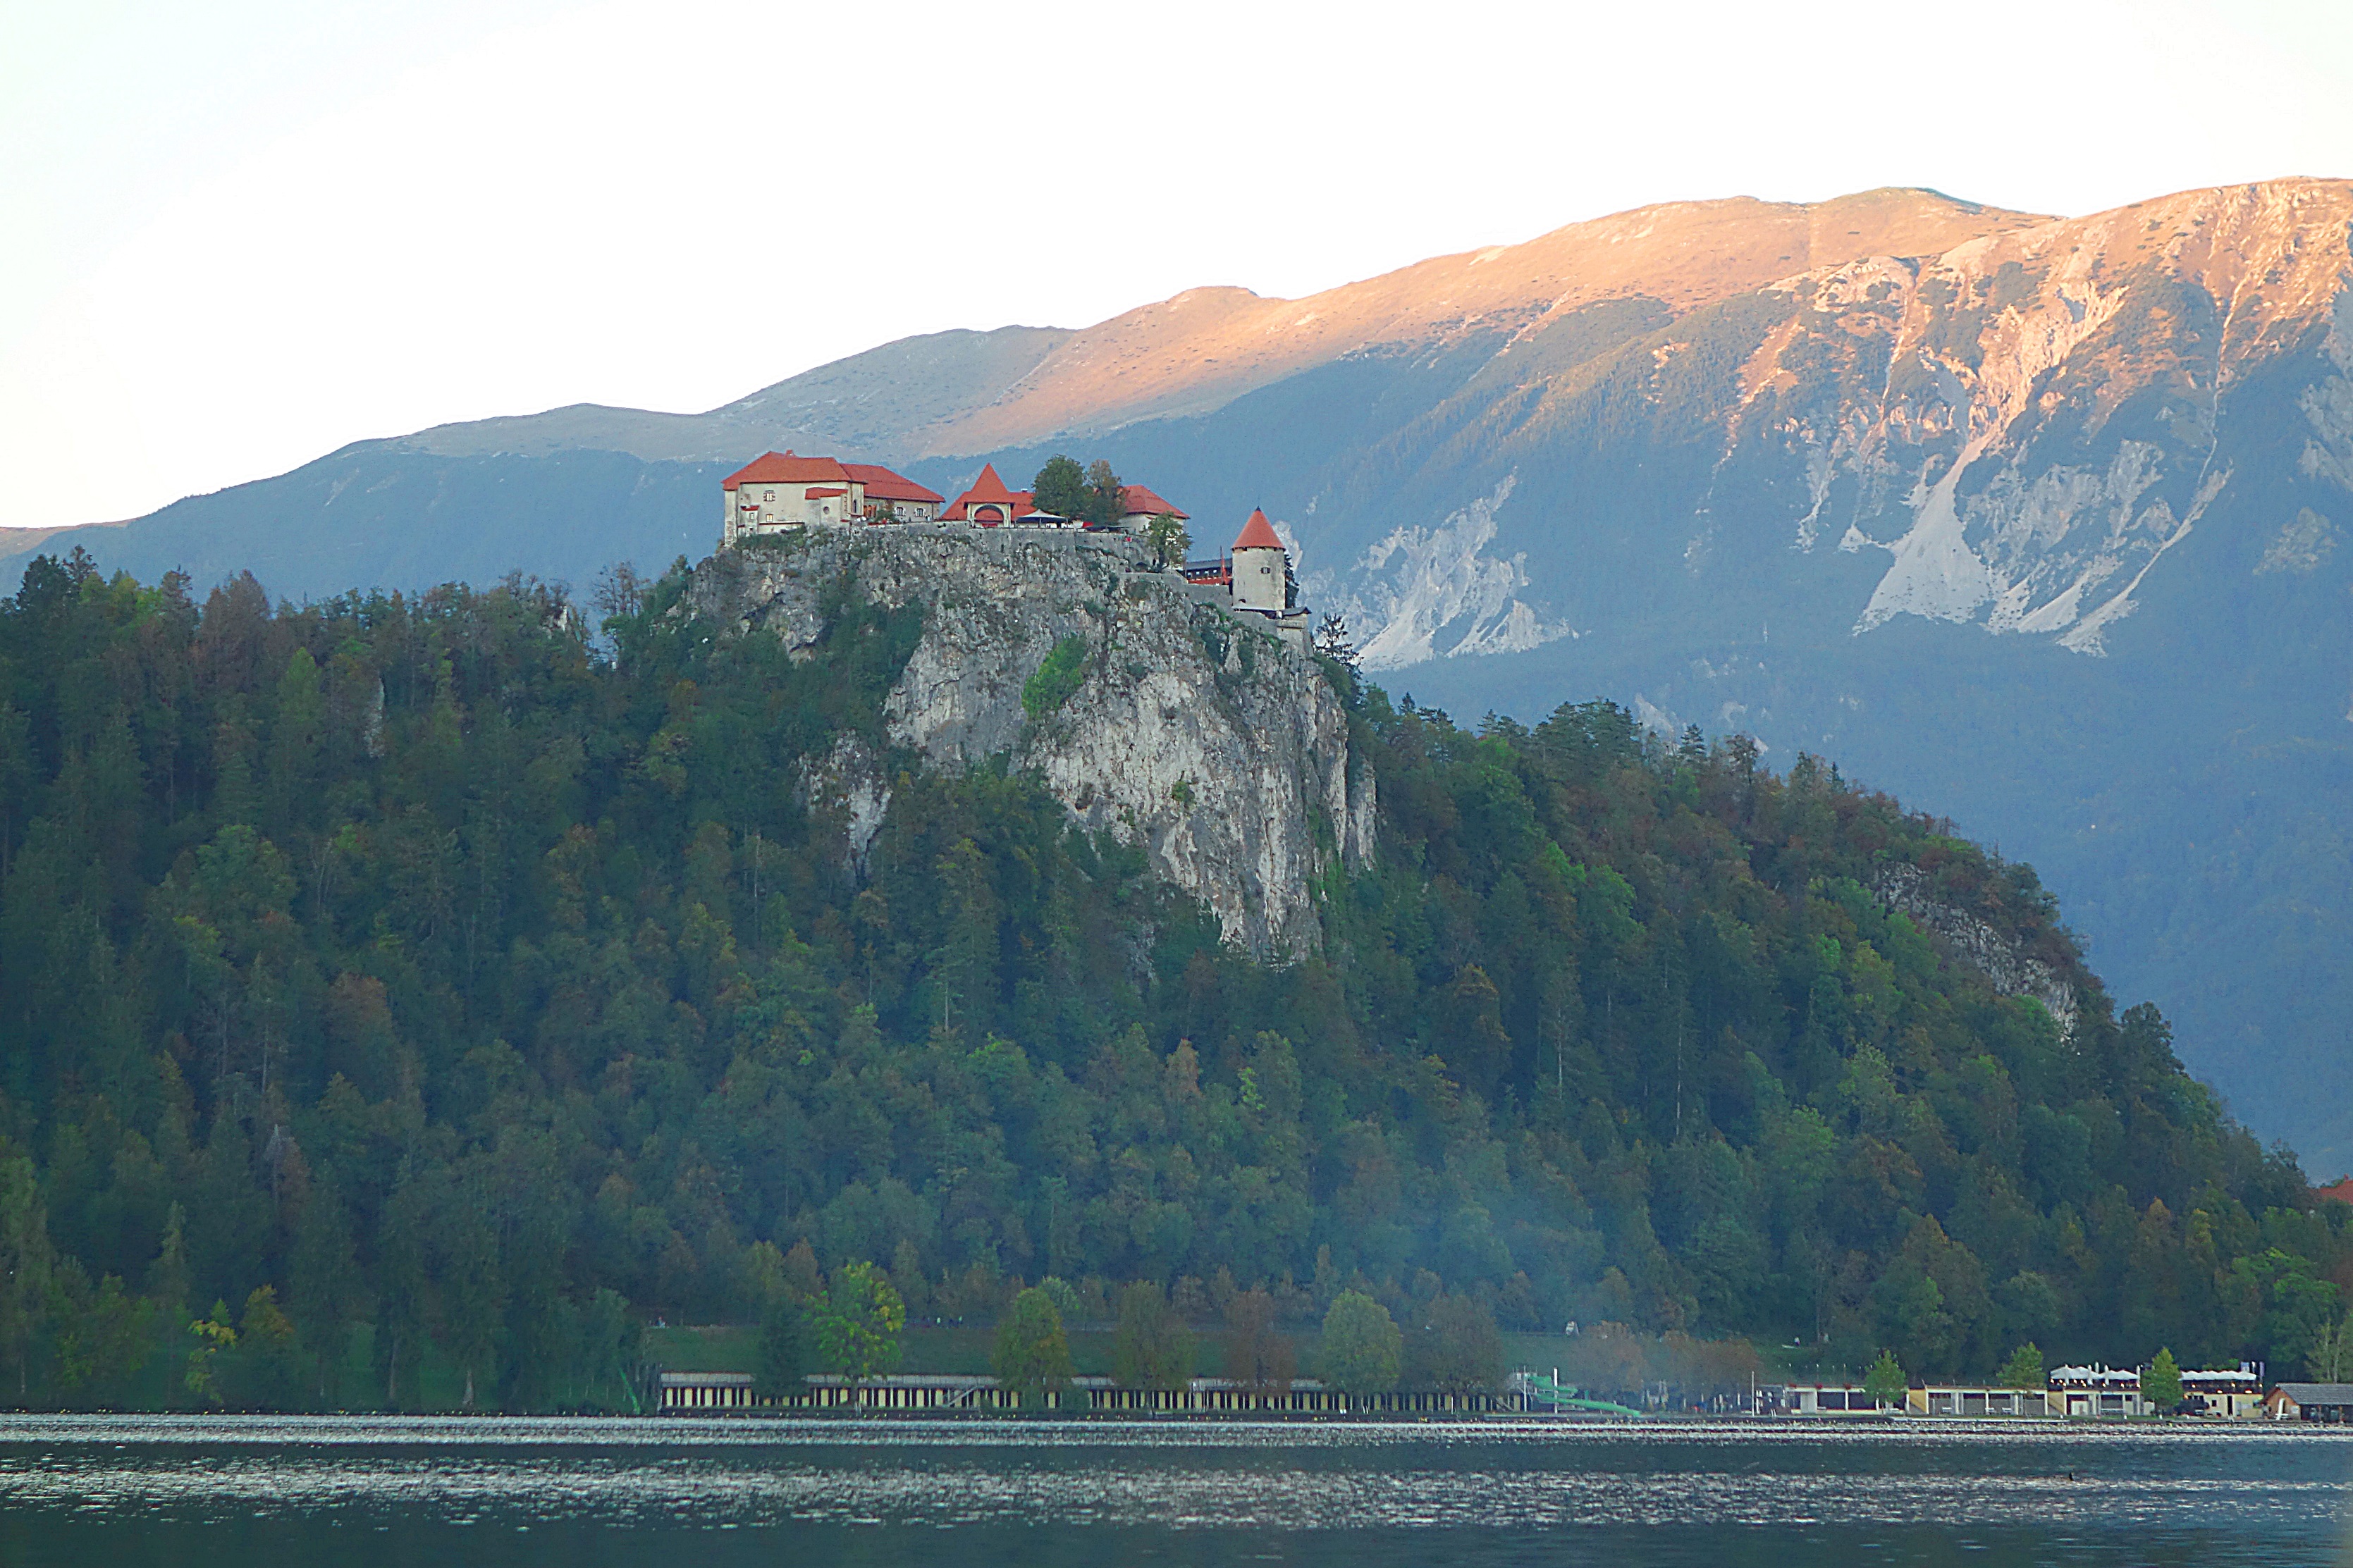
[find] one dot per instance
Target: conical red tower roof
(988, 487)
(1258, 534)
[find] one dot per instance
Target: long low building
(2081, 1391)
(2326, 1401)
(721, 1393)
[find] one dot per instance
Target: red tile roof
(1137, 499)
(988, 487)
(784, 468)
(989, 490)
(2340, 1189)
(1258, 534)
(882, 484)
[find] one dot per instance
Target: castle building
(778, 491)
(895, 496)
(1138, 506)
(1253, 578)
(987, 504)
(1262, 568)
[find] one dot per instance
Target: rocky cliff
(1153, 717)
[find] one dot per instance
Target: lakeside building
(2325, 1402)
(2095, 1391)
(721, 1393)
(1972, 1399)
(2234, 1396)
(2083, 1393)
(1820, 1399)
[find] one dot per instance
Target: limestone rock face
(1186, 729)
(2010, 972)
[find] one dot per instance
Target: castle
(780, 492)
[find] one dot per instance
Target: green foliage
(1154, 1349)
(1457, 1347)
(2024, 1369)
(1057, 679)
(2161, 1383)
(479, 991)
(1060, 487)
(858, 1324)
(783, 1366)
(1092, 494)
(24, 1259)
(1032, 1354)
(1171, 540)
(1104, 494)
(1885, 1382)
(1361, 1350)
(213, 1335)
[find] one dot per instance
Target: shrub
(1057, 681)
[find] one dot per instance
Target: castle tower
(1260, 568)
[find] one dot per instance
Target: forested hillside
(477, 988)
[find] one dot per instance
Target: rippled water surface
(212, 1493)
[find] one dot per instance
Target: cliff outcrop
(1151, 716)
(2007, 966)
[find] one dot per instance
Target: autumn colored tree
(1031, 1355)
(1153, 1348)
(1258, 1356)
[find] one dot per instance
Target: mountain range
(2032, 519)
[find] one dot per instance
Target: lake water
(230, 1492)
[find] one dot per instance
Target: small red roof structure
(988, 487)
(2341, 1189)
(784, 468)
(1258, 534)
(882, 484)
(988, 490)
(1136, 498)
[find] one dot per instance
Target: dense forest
(392, 980)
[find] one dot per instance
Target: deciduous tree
(2161, 1383)
(1258, 1356)
(1032, 1353)
(1154, 1349)
(1361, 1350)
(857, 1324)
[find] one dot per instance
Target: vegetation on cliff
(426, 979)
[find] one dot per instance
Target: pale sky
(243, 233)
